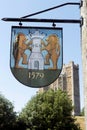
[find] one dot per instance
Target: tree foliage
(7, 115)
(51, 110)
(82, 112)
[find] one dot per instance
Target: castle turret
(36, 60)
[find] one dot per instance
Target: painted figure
(19, 48)
(53, 49)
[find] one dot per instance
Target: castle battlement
(37, 34)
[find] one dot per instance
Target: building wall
(84, 53)
(68, 81)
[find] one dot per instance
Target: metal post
(74, 21)
(55, 7)
(84, 55)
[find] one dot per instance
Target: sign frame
(32, 77)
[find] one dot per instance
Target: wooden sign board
(36, 55)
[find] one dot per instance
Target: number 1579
(35, 75)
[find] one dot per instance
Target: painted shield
(36, 55)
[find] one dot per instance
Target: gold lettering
(35, 75)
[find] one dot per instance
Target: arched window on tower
(36, 64)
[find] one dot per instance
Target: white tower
(84, 54)
(36, 60)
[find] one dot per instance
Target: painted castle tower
(36, 60)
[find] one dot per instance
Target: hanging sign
(36, 55)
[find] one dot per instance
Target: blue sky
(17, 93)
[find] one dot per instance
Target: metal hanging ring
(54, 25)
(20, 23)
